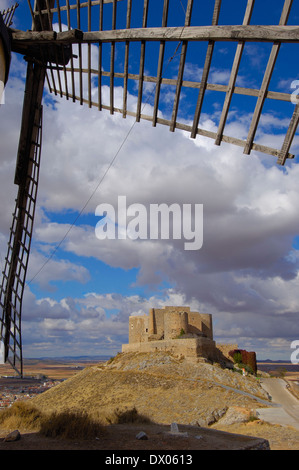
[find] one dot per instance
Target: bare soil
(123, 437)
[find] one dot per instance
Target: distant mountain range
(271, 361)
(263, 364)
(66, 359)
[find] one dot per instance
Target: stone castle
(177, 330)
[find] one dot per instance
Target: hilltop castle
(177, 330)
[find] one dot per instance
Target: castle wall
(200, 322)
(226, 348)
(191, 348)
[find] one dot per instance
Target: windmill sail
(26, 177)
(103, 47)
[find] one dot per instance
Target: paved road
(286, 411)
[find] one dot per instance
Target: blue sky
(77, 302)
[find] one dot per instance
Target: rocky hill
(164, 388)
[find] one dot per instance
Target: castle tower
(175, 321)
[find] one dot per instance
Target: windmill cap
(4, 35)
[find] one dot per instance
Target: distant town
(13, 389)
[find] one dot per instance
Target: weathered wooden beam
(45, 37)
(262, 33)
(256, 33)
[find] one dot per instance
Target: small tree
(237, 357)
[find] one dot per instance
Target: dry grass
(66, 425)
(21, 415)
(69, 425)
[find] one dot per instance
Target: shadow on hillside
(128, 416)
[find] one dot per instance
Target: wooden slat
(68, 15)
(62, 49)
(8, 14)
(74, 7)
(112, 59)
(100, 59)
(55, 48)
(141, 66)
(89, 52)
(181, 70)
(49, 15)
(72, 62)
(32, 14)
(126, 66)
(266, 81)
(40, 24)
(283, 154)
(160, 64)
(233, 75)
(205, 73)
(79, 54)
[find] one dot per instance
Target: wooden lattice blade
(99, 38)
